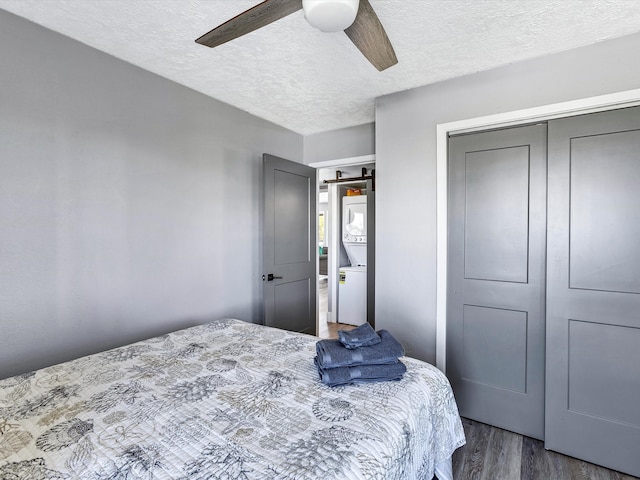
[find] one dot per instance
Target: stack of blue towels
(361, 355)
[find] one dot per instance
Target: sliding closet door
(496, 270)
(593, 309)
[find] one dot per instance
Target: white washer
(352, 295)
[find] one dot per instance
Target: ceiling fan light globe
(330, 15)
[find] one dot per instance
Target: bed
(224, 400)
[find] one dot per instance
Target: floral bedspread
(225, 400)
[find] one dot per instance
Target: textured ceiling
(308, 81)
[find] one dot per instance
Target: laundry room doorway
(346, 244)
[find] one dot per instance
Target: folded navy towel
(331, 353)
(362, 336)
(361, 374)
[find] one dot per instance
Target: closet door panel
(495, 321)
(496, 243)
(605, 197)
(593, 289)
(495, 347)
(593, 355)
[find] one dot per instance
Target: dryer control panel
(355, 238)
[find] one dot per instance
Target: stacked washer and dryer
(352, 281)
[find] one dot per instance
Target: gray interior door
(289, 245)
(496, 270)
(593, 309)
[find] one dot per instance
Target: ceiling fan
(356, 17)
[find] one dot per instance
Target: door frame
(571, 108)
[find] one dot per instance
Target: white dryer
(354, 229)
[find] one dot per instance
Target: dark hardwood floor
(495, 454)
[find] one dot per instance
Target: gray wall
(406, 165)
(342, 143)
(129, 205)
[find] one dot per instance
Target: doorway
(331, 251)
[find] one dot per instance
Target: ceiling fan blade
(367, 33)
(257, 17)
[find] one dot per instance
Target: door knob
(270, 277)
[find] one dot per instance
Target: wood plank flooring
(495, 454)
(327, 329)
(330, 329)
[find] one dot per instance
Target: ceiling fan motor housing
(330, 15)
